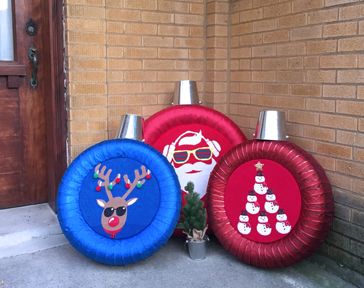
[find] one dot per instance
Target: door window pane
(6, 31)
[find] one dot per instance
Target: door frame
(56, 114)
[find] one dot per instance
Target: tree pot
(197, 249)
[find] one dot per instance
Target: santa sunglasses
(182, 156)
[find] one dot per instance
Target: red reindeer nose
(113, 221)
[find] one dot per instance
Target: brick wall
(301, 56)
(124, 56)
(305, 58)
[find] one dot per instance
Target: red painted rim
(316, 211)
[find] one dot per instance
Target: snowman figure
(260, 186)
(252, 206)
(263, 226)
(244, 225)
(271, 205)
(282, 225)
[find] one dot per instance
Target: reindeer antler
(106, 177)
(139, 178)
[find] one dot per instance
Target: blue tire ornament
(119, 202)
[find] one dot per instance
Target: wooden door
(32, 115)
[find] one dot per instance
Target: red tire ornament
(270, 203)
(192, 138)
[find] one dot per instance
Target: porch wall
(303, 57)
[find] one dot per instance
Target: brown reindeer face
(115, 210)
(114, 215)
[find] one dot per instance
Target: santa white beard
(200, 179)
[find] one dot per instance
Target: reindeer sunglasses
(202, 153)
(120, 211)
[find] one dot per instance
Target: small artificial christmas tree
(193, 215)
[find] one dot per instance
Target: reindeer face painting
(115, 208)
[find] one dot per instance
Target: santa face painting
(193, 156)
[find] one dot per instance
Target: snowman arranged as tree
(266, 213)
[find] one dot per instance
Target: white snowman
(244, 225)
(282, 225)
(271, 205)
(260, 187)
(252, 206)
(263, 226)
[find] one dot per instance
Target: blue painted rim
(123, 251)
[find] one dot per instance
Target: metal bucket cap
(185, 93)
(131, 127)
(271, 126)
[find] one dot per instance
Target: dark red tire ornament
(270, 203)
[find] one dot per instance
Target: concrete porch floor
(34, 253)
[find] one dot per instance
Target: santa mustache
(198, 166)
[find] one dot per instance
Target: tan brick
(83, 101)
(290, 102)
(290, 76)
(140, 76)
(217, 19)
(338, 2)
(250, 87)
(141, 52)
(141, 4)
(306, 90)
(338, 121)
(218, 7)
(259, 3)
(190, 19)
(256, 64)
(263, 76)
(264, 51)
(241, 29)
(157, 41)
(217, 30)
(320, 105)
(310, 32)
(124, 64)
(320, 76)
(173, 6)
(350, 168)
(319, 133)
(87, 2)
(340, 29)
(276, 36)
(86, 25)
(189, 43)
(304, 143)
(141, 28)
(85, 11)
(328, 163)
(95, 51)
(193, 65)
(358, 185)
(87, 88)
(350, 76)
(123, 15)
(255, 14)
(338, 61)
(197, 8)
(196, 53)
(277, 10)
(86, 63)
(359, 154)
(197, 31)
(124, 88)
(361, 125)
(321, 46)
(351, 12)
(351, 138)
(299, 5)
(264, 25)
(240, 76)
(243, 52)
(311, 62)
(243, 64)
(115, 76)
(275, 64)
(351, 44)
(156, 17)
(172, 30)
(322, 16)
(240, 98)
(295, 63)
(303, 117)
(115, 27)
(115, 52)
(360, 92)
(334, 150)
(263, 100)
(123, 40)
(291, 49)
(350, 107)
(158, 87)
(87, 76)
(292, 21)
(339, 91)
(251, 39)
(165, 53)
(361, 27)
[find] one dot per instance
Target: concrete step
(29, 229)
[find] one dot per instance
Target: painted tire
(149, 222)
(312, 212)
(164, 127)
